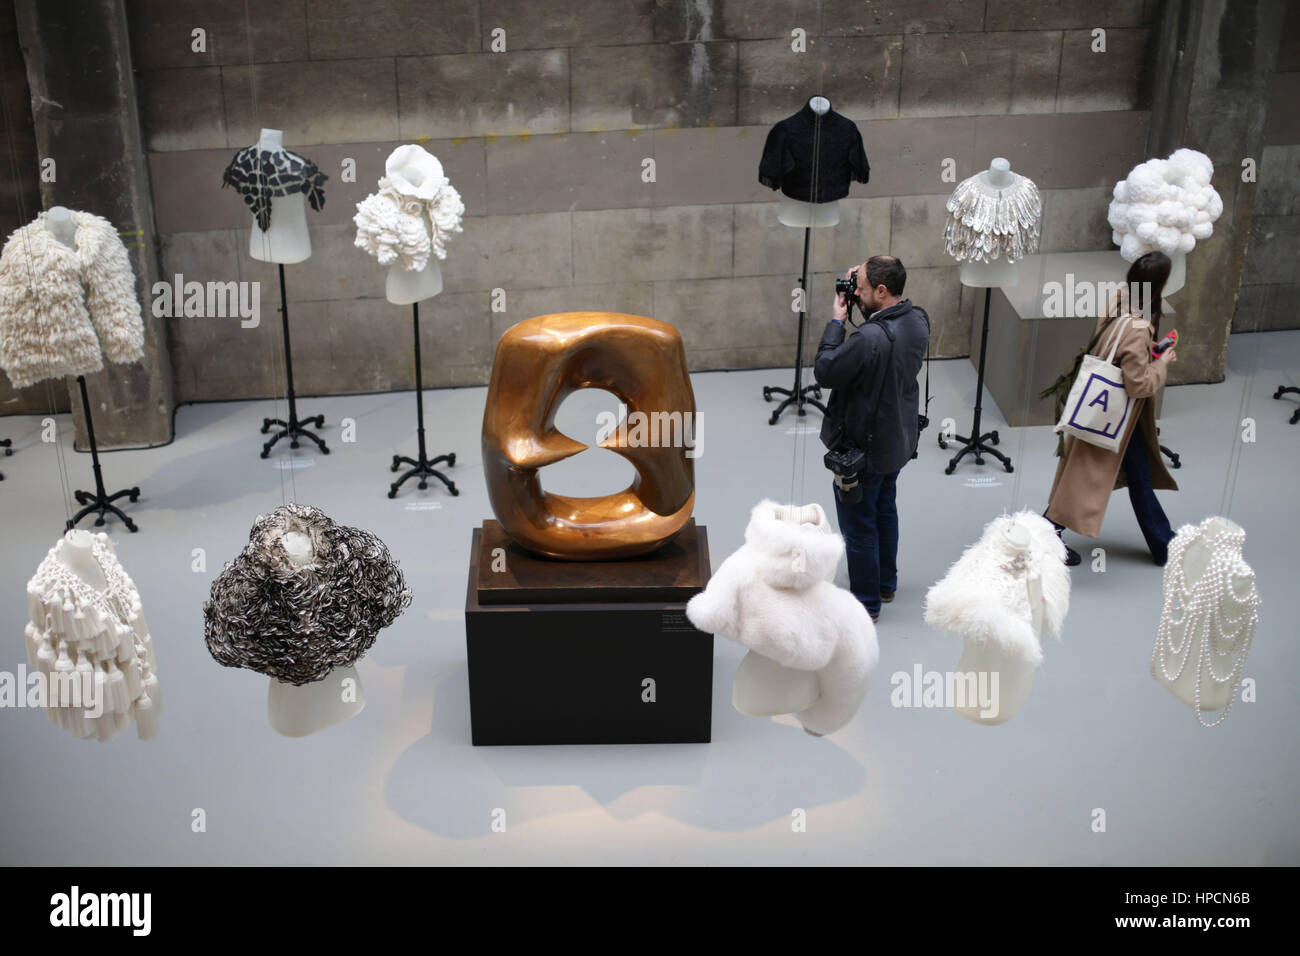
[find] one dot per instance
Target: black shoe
(1072, 558)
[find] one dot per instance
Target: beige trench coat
(1086, 474)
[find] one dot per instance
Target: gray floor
(401, 784)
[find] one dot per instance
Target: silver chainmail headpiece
(986, 223)
(297, 622)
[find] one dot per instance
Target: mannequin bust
(805, 214)
(59, 224)
(287, 241)
(1214, 696)
(998, 273)
(77, 555)
(300, 710)
(405, 286)
(1015, 676)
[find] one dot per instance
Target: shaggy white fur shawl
(985, 595)
(62, 311)
(774, 595)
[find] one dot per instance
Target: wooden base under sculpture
(538, 363)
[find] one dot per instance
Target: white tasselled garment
(96, 640)
(775, 596)
(985, 594)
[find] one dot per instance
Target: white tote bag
(1098, 408)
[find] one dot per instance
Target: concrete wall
(1270, 288)
(546, 143)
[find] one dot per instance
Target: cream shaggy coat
(775, 596)
(985, 594)
(62, 310)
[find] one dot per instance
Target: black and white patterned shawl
(260, 175)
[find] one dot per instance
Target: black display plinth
(555, 668)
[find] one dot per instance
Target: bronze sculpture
(538, 363)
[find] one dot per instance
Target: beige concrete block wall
(547, 143)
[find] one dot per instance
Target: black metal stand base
(978, 444)
(798, 395)
(99, 501)
(799, 399)
(6, 444)
(423, 470)
(1289, 390)
(423, 466)
(294, 429)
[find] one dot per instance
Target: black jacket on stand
(864, 377)
(787, 162)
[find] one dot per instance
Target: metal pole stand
(423, 469)
(798, 396)
(1289, 390)
(976, 442)
(100, 500)
(293, 429)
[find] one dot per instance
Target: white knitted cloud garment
(1164, 204)
(62, 311)
(775, 596)
(97, 638)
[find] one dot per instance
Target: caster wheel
(392, 492)
(67, 526)
(265, 453)
(950, 469)
(1010, 468)
(943, 444)
(979, 461)
(324, 450)
(454, 492)
(994, 436)
(131, 526)
(1278, 393)
(293, 444)
(1179, 464)
(767, 395)
(817, 393)
(394, 466)
(772, 420)
(99, 522)
(424, 486)
(802, 413)
(451, 460)
(134, 495)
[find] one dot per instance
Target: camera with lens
(848, 287)
(846, 464)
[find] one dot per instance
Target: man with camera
(873, 421)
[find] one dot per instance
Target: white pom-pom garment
(985, 594)
(1165, 205)
(775, 596)
(64, 310)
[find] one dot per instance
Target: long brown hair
(1147, 276)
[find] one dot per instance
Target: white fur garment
(63, 311)
(776, 597)
(985, 594)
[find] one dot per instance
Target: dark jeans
(1146, 507)
(870, 530)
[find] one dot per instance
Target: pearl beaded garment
(986, 223)
(96, 640)
(1217, 613)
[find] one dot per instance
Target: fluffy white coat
(775, 596)
(63, 311)
(985, 596)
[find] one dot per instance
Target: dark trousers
(1146, 507)
(870, 529)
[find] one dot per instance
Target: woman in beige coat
(1087, 474)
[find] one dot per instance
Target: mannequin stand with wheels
(997, 273)
(99, 500)
(808, 215)
(285, 242)
(294, 428)
(1281, 390)
(405, 286)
